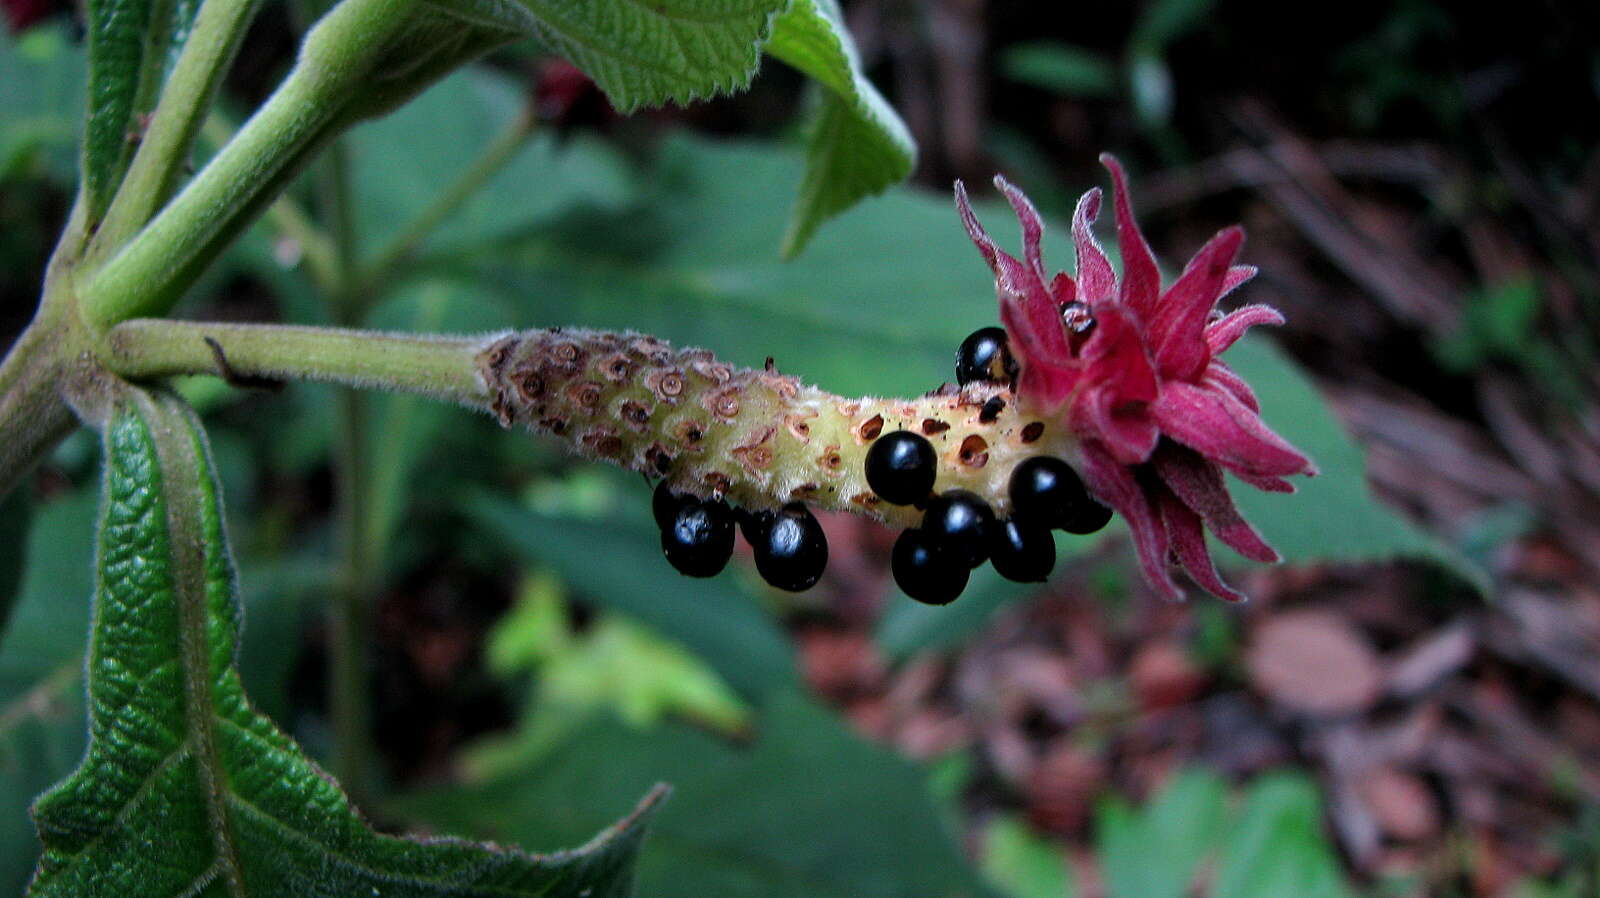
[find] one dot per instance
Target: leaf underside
(185, 789)
(856, 145)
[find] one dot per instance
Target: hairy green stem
(164, 149)
(148, 274)
(291, 218)
(404, 245)
(440, 367)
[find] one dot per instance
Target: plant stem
(441, 367)
(404, 245)
(290, 218)
(164, 150)
(147, 275)
(349, 683)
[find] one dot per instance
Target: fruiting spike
(757, 438)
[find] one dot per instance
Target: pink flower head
(1132, 370)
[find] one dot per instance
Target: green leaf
(711, 617)
(1156, 852)
(41, 666)
(614, 664)
(178, 758)
(1023, 863)
(132, 44)
(41, 101)
(1060, 68)
(652, 53)
(400, 163)
(856, 144)
(16, 511)
(808, 811)
(1333, 516)
(1277, 846)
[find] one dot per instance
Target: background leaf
(176, 755)
(649, 54)
(1348, 524)
(1278, 846)
(808, 811)
(41, 667)
(856, 144)
(1156, 851)
(41, 102)
(711, 617)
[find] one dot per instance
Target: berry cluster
(697, 537)
(959, 530)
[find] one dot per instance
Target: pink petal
(1198, 483)
(1096, 281)
(1266, 484)
(1044, 387)
(1032, 226)
(1177, 330)
(1062, 289)
(1220, 376)
(1189, 544)
(1026, 308)
(1129, 433)
(979, 236)
(1141, 280)
(1116, 356)
(1115, 485)
(1225, 430)
(1238, 275)
(1227, 330)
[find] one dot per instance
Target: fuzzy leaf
(132, 44)
(808, 811)
(177, 757)
(856, 144)
(652, 53)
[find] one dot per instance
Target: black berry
(700, 538)
(960, 524)
(664, 504)
(901, 467)
(924, 571)
(790, 548)
(1022, 552)
(1091, 517)
(984, 355)
(1046, 492)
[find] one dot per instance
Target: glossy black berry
(700, 538)
(901, 467)
(1046, 492)
(985, 356)
(664, 504)
(960, 524)
(1022, 552)
(1091, 517)
(790, 548)
(925, 572)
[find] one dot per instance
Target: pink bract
(1159, 416)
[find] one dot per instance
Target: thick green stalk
(440, 367)
(164, 149)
